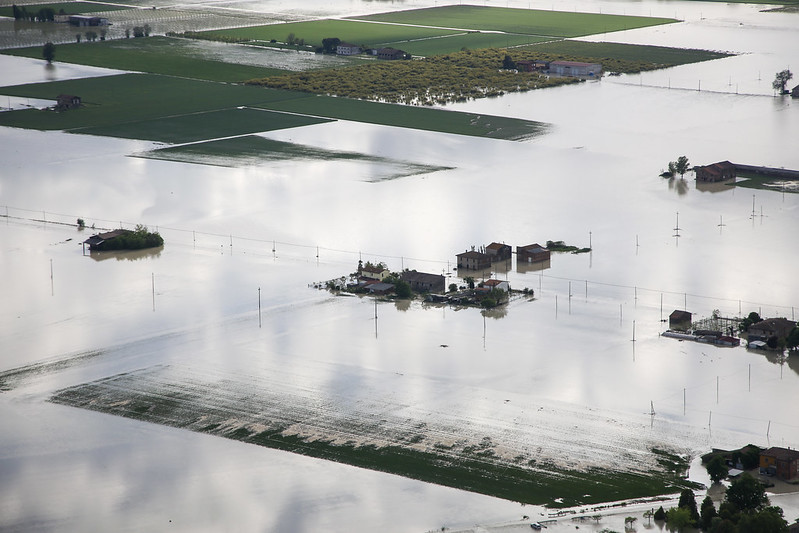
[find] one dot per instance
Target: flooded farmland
(224, 322)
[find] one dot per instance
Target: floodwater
(560, 374)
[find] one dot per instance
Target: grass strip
(440, 120)
(513, 20)
(312, 33)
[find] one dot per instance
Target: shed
(680, 320)
(96, 241)
(67, 101)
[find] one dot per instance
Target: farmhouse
(680, 320)
(532, 253)
(498, 284)
(96, 242)
(723, 170)
(347, 49)
(576, 69)
(423, 282)
(473, 260)
(498, 251)
(375, 272)
(86, 20)
(770, 327)
(782, 462)
(390, 53)
(67, 101)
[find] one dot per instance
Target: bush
(138, 239)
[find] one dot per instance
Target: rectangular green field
(471, 41)
(69, 8)
(204, 125)
(660, 55)
(156, 55)
(415, 117)
(512, 20)
(132, 98)
(362, 33)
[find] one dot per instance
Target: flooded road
(563, 367)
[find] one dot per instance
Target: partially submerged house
(532, 253)
(780, 462)
(422, 281)
(680, 320)
(67, 101)
(721, 171)
(472, 260)
(379, 288)
(499, 251)
(770, 327)
(576, 69)
(97, 242)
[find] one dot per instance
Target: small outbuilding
(680, 320)
(97, 241)
(497, 284)
(532, 253)
(67, 101)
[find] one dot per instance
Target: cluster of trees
(45, 14)
(781, 80)
(680, 167)
(293, 40)
(745, 509)
(139, 31)
(91, 35)
(330, 44)
(137, 239)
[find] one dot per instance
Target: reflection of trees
(496, 313)
(129, 255)
(793, 363)
(678, 185)
(402, 304)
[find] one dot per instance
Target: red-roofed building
(723, 170)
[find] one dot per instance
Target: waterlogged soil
(538, 460)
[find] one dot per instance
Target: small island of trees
(137, 239)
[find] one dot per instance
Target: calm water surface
(192, 307)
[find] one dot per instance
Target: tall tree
(747, 494)
(681, 165)
(781, 80)
(688, 501)
(707, 513)
(48, 52)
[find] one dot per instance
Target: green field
(415, 117)
(111, 102)
(156, 55)
(523, 21)
(68, 8)
(471, 41)
(612, 53)
(154, 107)
(362, 33)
